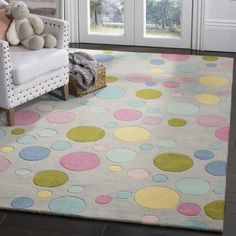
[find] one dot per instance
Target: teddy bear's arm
(11, 34)
(37, 24)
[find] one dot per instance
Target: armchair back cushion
(4, 24)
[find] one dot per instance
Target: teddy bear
(27, 29)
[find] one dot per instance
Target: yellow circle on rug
(173, 162)
(44, 194)
(210, 58)
(215, 210)
(148, 94)
(208, 99)
(85, 134)
(17, 131)
(107, 51)
(157, 198)
(7, 149)
(115, 168)
(214, 81)
(157, 70)
(111, 79)
(132, 134)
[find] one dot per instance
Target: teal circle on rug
(61, 146)
(121, 155)
(110, 92)
(67, 205)
(26, 139)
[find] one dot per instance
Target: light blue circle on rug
(110, 92)
(216, 146)
(216, 168)
(22, 203)
(121, 155)
(136, 103)
(157, 62)
(61, 146)
(67, 205)
(97, 109)
(2, 133)
(46, 133)
(128, 56)
(188, 68)
(124, 194)
(103, 57)
(75, 189)
(166, 143)
(195, 88)
(225, 110)
(22, 172)
(27, 139)
(204, 154)
(146, 147)
(185, 186)
(182, 108)
(193, 224)
(211, 65)
(151, 83)
(36, 153)
(220, 190)
(86, 102)
(153, 110)
(111, 125)
(159, 178)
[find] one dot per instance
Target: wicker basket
(100, 82)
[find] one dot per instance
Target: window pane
(107, 16)
(163, 18)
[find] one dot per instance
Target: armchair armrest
(59, 28)
(6, 82)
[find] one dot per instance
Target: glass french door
(106, 21)
(163, 23)
(158, 23)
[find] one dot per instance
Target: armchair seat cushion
(29, 65)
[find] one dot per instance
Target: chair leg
(65, 92)
(10, 114)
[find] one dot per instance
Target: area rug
(150, 148)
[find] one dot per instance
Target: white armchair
(25, 74)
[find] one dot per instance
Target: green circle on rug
(111, 79)
(215, 210)
(149, 94)
(177, 122)
(17, 131)
(85, 134)
(173, 162)
(50, 178)
(210, 58)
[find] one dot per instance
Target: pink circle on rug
(224, 93)
(211, 120)
(175, 57)
(26, 117)
(4, 164)
(138, 77)
(80, 161)
(45, 107)
(138, 173)
(127, 114)
(100, 148)
(188, 79)
(148, 219)
(223, 134)
(171, 84)
(60, 117)
(228, 64)
(103, 199)
(152, 120)
(189, 209)
(176, 95)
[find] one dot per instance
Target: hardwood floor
(17, 224)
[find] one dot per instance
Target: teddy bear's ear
(8, 11)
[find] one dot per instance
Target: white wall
(219, 33)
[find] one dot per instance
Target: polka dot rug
(150, 148)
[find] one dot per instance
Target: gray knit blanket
(84, 68)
